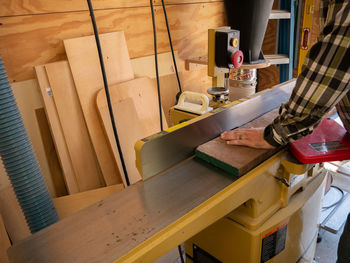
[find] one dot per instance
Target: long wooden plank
(111, 228)
(83, 59)
(4, 242)
(136, 111)
(29, 99)
(21, 7)
(51, 153)
(86, 169)
(56, 130)
(43, 34)
(12, 215)
(129, 132)
(236, 159)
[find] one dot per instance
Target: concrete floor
(326, 250)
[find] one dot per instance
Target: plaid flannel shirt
(323, 82)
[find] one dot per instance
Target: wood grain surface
(28, 98)
(86, 169)
(71, 204)
(238, 159)
(40, 41)
(15, 223)
(84, 62)
(136, 113)
(4, 242)
(22, 7)
(56, 130)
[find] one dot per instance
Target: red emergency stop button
(237, 59)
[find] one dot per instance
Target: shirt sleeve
(323, 82)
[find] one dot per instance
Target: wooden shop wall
(32, 33)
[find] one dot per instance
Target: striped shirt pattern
(323, 82)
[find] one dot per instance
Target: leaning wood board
(87, 172)
(135, 106)
(4, 242)
(84, 62)
(129, 132)
(56, 130)
(236, 159)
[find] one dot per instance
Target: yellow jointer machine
(267, 214)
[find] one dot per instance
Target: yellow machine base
(287, 236)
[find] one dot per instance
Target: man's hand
(253, 137)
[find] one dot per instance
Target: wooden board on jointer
(86, 169)
(242, 158)
(84, 62)
(4, 242)
(56, 130)
(136, 114)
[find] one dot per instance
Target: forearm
(323, 82)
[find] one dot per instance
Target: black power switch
(227, 53)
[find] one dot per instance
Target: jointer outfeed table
(181, 196)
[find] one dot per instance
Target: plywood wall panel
(26, 41)
(25, 7)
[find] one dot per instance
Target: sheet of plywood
(129, 132)
(70, 204)
(144, 66)
(84, 62)
(236, 159)
(21, 7)
(86, 169)
(56, 130)
(51, 153)
(12, 215)
(188, 24)
(4, 242)
(142, 122)
(29, 100)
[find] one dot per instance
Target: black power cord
(93, 20)
(156, 65)
(181, 255)
(172, 49)
(157, 74)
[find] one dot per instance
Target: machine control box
(227, 53)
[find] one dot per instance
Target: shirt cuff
(268, 136)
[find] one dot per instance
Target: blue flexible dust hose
(20, 162)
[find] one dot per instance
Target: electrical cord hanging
(157, 75)
(93, 20)
(172, 49)
(336, 202)
(156, 65)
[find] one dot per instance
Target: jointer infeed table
(181, 195)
